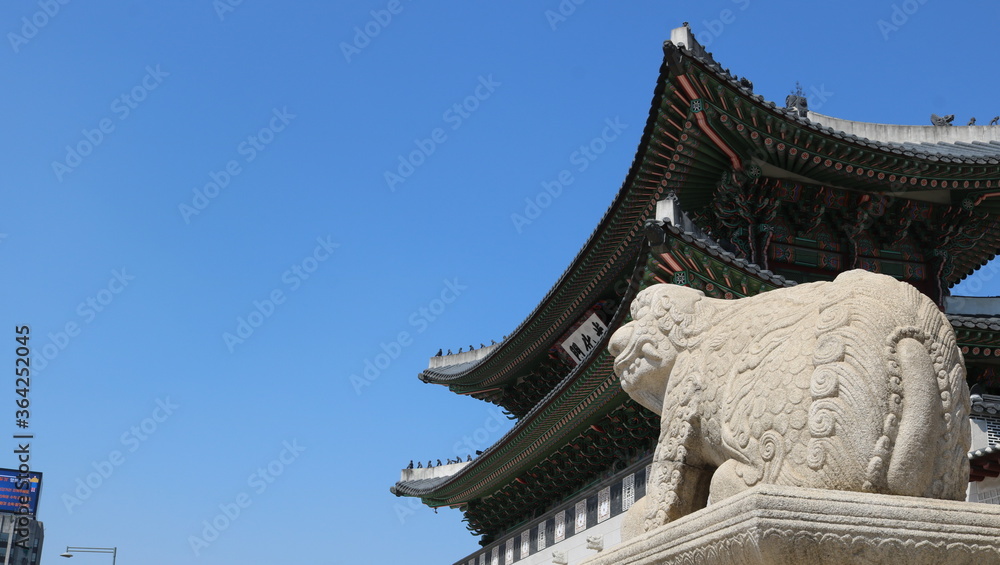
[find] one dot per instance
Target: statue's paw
(634, 523)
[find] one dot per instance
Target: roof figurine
(972, 121)
(410, 466)
(942, 120)
(796, 101)
(438, 353)
(994, 121)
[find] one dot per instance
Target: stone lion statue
(855, 384)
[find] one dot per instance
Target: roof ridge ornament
(683, 38)
(942, 120)
(797, 102)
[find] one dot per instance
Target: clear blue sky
(116, 112)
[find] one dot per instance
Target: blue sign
(19, 493)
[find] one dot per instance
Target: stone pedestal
(774, 525)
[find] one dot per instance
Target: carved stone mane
(855, 384)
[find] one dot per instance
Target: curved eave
(587, 393)
(969, 270)
(612, 246)
(592, 390)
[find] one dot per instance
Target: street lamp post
(70, 550)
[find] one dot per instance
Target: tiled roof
(975, 322)
(451, 370)
(984, 463)
(977, 150)
(959, 152)
(419, 486)
(991, 451)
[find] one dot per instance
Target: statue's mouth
(639, 358)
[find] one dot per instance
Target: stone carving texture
(855, 384)
(595, 542)
(800, 546)
(780, 525)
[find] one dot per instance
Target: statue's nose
(619, 340)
